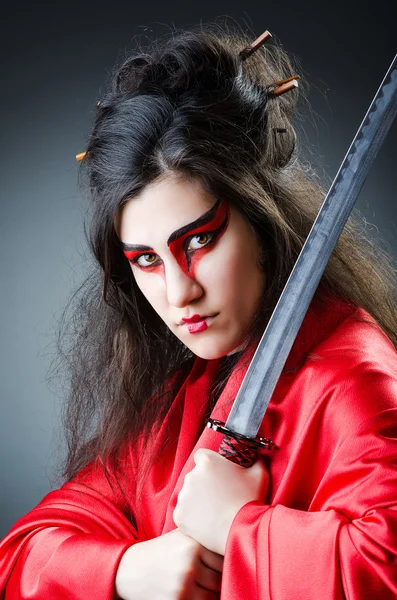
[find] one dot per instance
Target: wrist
(225, 524)
(127, 570)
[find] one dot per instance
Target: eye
(199, 240)
(145, 260)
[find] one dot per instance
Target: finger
(211, 560)
(258, 470)
(259, 465)
(208, 579)
(200, 593)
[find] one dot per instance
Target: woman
(200, 208)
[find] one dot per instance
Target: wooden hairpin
(82, 155)
(253, 47)
(284, 85)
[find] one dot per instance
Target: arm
(344, 546)
(70, 545)
(329, 527)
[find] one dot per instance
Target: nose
(181, 288)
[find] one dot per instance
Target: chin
(211, 350)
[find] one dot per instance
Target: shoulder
(349, 378)
(357, 351)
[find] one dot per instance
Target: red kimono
(328, 527)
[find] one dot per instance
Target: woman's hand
(213, 493)
(170, 567)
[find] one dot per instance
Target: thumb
(260, 477)
(258, 471)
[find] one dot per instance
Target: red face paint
(214, 223)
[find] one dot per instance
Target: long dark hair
(189, 106)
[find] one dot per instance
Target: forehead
(161, 208)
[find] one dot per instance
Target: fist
(169, 567)
(213, 493)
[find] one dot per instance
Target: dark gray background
(55, 59)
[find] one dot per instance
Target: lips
(197, 327)
(193, 319)
(197, 323)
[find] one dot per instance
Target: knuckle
(207, 458)
(177, 516)
(203, 456)
(188, 478)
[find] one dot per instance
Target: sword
(241, 443)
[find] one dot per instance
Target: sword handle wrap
(238, 448)
(238, 452)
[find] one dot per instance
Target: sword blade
(268, 361)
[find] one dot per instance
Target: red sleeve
(344, 547)
(69, 546)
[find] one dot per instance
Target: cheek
(231, 280)
(211, 269)
(199, 256)
(152, 287)
(232, 274)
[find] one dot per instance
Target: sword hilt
(239, 448)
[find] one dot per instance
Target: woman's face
(194, 257)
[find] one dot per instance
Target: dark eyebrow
(205, 218)
(135, 247)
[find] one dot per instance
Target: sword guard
(239, 448)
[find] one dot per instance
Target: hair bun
(130, 74)
(179, 67)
